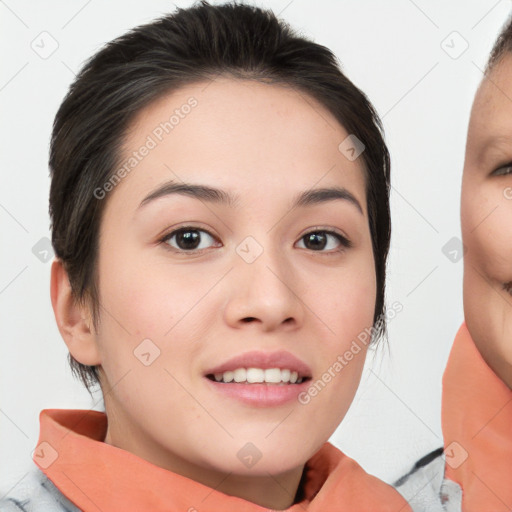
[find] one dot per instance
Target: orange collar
(98, 476)
(477, 428)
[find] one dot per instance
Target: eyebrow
(218, 196)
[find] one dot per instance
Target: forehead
(242, 109)
(241, 135)
(491, 115)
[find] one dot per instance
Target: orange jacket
(477, 429)
(97, 476)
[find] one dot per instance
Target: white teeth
(273, 375)
(255, 375)
(258, 375)
(240, 375)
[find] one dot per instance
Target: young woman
(477, 383)
(220, 220)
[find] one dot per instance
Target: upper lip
(264, 360)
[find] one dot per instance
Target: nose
(265, 292)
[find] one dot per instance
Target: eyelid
(499, 171)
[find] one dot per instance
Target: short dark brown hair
(188, 46)
(502, 45)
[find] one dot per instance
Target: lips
(294, 373)
(264, 360)
(508, 287)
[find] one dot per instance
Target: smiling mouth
(271, 376)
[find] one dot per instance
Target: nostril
(249, 319)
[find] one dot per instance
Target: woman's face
(189, 281)
(486, 214)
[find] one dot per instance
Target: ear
(74, 321)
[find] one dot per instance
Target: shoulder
(36, 493)
(422, 485)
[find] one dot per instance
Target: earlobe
(73, 320)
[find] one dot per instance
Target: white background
(394, 52)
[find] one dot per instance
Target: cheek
(349, 304)
(486, 220)
(358, 289)
(145, 300)
(148, 337)
(346, 305)
(347, 308)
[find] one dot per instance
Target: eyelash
(501, 167)
(345, 242)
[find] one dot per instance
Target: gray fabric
(426, 489)
(451, 496)
(36, 493)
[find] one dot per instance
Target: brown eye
(319, 240)
(188, 239)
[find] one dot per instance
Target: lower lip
(260, 395)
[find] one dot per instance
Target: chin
(287, 457)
